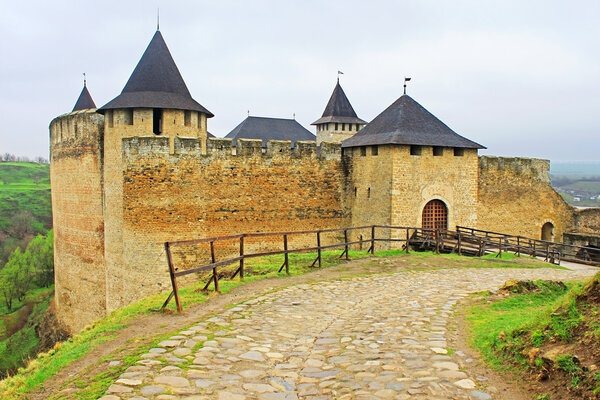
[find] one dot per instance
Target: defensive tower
(155, 102)
(77, 212)
(339, 120)
(410, 169)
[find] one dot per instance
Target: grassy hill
(25, 187)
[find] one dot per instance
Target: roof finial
(158, 19)
(84, 80)
(294, 116)
(339, 73)
(248, 112)
(405, 80)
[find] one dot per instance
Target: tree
(16, 278)
(40, 255)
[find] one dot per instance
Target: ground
(314, 336)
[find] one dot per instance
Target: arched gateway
(435, 215)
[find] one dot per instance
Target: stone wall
(188, 194)
(587, 221)
(77, 198)
(515, 197)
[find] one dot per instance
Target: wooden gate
(435, 215)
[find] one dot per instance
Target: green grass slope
(25, 187)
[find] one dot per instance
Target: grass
(49, 364)
(497, 327)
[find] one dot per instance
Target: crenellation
(533, 167)
(305, 149)
(279, 148)
(330, 151)
(249, 147)
(188, 146)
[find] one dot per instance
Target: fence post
(534, 248)
(437, 241)
(286, 262)
(319, 247)
(459, 250)
(518, 246)
(242, 257)
(407, 240)
(212, 257)
(373, 239)
(346, 243)
(499, 248)
(173, 278)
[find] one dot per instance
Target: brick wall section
(515, 197)
(190, 195)
(76, 176)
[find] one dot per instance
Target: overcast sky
(520, 77)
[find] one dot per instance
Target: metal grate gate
(435, 215)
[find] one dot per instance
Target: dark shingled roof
(339, 109)
(409, 123)
(156, 83)
(270, 129)
(84, 101)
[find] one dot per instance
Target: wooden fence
(464, 241)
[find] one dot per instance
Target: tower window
(343, 127)
(368, 193)
(157, 115)
(336, 126)
(363, 151)
(438, 151)
(459, 152)
(374, 150)
(357, 128)
(187, 118)
(110, 119)
(355, 191)
(415, 150)
(128, 116)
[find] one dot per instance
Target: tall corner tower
(339, 120)
(154, 103)
(76, 141)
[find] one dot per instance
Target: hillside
(25, 205)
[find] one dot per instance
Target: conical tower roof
(339, 109)
(84, 101)
(409, 123)
(156, 83)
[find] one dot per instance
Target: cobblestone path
(378, 337)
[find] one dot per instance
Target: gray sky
(520, 77)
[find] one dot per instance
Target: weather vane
(339, 73)
(158, 19)
(405, 80)
(84, 80)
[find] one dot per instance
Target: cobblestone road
(378, 337)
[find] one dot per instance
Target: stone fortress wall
(515, 197)
(119, 193)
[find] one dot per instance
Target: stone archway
(435, 215)
(548, 231)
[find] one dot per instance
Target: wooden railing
(467, 241)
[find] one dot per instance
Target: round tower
(339, 120)
(77, 214)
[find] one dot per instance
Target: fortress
(143, 169)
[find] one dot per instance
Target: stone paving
(378, 337)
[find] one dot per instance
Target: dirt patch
(16, 323)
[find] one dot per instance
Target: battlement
(77, 125)
(521, 166)
(220, 148)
